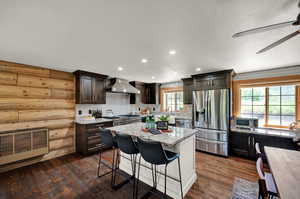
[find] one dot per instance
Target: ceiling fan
(271, 27)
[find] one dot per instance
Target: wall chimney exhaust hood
(117, 85)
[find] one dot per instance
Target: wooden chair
(267, 187)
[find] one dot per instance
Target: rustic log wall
(34, 97)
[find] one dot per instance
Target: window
(281, 105)
(273, 105)
(173, 101)
(253, 103)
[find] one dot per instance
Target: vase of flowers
(295, 127)
(150, 122)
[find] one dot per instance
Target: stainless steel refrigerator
(211, 113)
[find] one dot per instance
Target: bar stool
(266, 182)
(153, 153)
(108, 141)
(128, 146)
(257, 149)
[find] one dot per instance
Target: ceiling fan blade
(264, 28)
(279, 42)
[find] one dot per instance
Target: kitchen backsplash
(119, 103)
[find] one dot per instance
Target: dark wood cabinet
(243, 144)
(239, 144)
(88, 139)
(90, 88)
(149, 93)
(86, 87)
(188, 86)
(152, 93)
(138, 98)
(214, 80)
(99, 92)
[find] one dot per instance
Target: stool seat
(171, 156)
(109, 141)
(115, 143)
(270, 184)
(128, 146)
(153, 153)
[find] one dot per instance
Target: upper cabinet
(90, 88)
(214, 80)
(85, 93)
(149, 93)
(138, 98)
(188, 85)
(152, 93)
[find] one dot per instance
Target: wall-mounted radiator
(23, 144)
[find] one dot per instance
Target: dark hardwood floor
(74, 176)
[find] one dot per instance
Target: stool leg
(113, 170)
(179, 169)
(138, 176)
(134, 179)
(152, 171)
(166, 169)
(99, 164)
(155, 169)
(117, 165)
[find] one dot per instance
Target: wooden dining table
(285, 167)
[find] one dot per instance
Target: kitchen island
(181, 141)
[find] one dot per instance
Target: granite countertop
(94, 121)
(270, 132)
(183, 117)
(172, 138)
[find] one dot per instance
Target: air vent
(23, 144)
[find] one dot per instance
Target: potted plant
(163, 122)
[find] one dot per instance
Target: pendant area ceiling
(102, 35)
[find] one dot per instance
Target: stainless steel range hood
(117, 85)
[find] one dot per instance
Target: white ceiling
(100, 35)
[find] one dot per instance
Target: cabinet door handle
(249, 141)
(253, 142)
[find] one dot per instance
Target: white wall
(119, 103)
(285, 71)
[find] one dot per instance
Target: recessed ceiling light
(198, 69)
(120, 68)
(144, 61)
(172, 52)
(152, 77)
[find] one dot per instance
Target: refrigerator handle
(206, 110)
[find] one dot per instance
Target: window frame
(175, 100)
(266, 82)
(267, 105)
(169, 90)
(256, 105)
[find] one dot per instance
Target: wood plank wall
(34, 97)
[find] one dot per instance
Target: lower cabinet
(88, 139)
(243, 144)
(239, 144)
